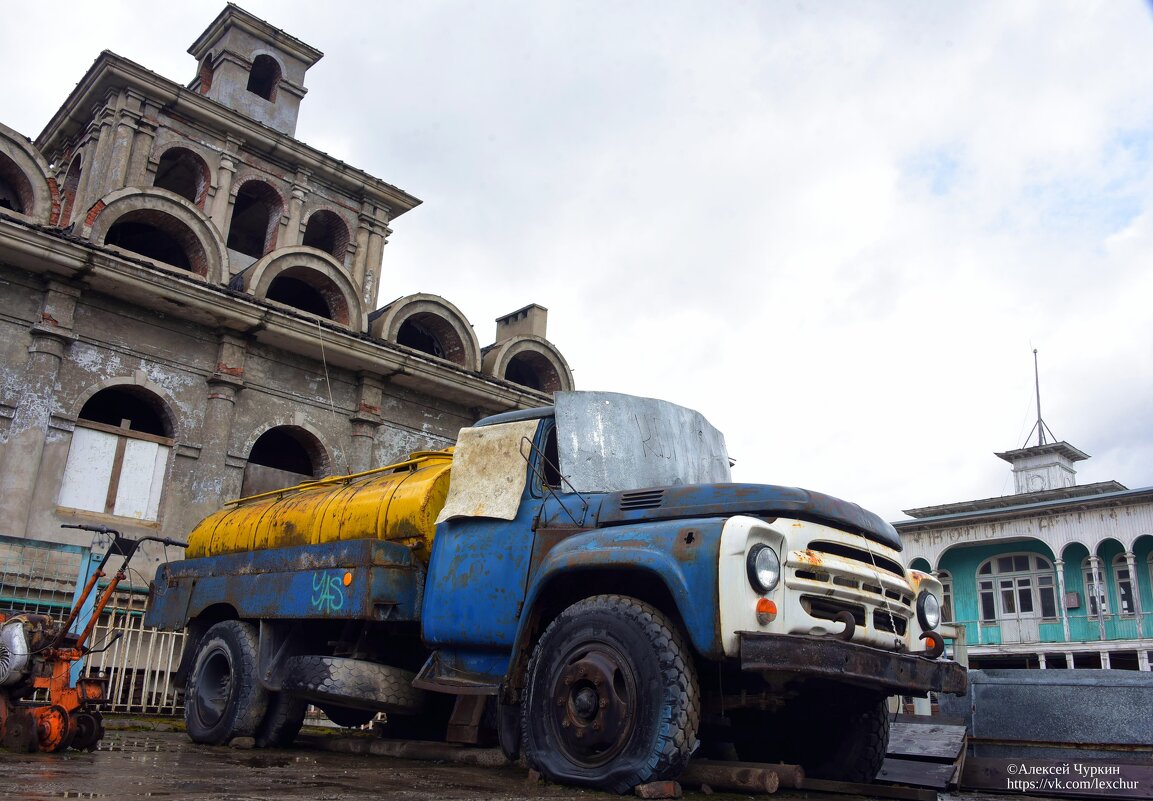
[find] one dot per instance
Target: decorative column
(1099, 592)
(364, 422)
(93, 165)
(225, 172)
(293, 234)
(217, 479)
(1041, 661)
(1135, 591)
(24, 450)
(372, 232)
(1060, 565)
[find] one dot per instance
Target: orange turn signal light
(766, 611)
(347, 579)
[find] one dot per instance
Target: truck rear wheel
(282, 721)
(338, 681)
(611, 698)
(224, 698)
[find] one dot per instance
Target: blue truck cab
(599, 594)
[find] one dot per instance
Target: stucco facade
(187, 303)
(1058, 575)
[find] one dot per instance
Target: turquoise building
(1054, 576)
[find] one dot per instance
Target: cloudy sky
(839, 230)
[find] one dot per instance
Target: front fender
(681, 554)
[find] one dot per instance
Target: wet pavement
(137, 765)
(166, 765)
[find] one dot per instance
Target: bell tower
(253, 68)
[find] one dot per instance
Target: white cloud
(838, 230)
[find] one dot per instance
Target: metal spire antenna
(1039, 426)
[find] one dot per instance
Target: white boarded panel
(89, 468)
(135, 489)
(158, 468)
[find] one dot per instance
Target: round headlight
(764, 568)
(928, 611)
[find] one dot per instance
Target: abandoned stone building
(187, 303)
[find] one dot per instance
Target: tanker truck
(581, 583)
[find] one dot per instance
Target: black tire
(855, 754)
(611, 698)
(224, 698)
(840, 735)
(348, 716)
(281, 722)
(336, 681)
(89, 728)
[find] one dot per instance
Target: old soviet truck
(582, 583)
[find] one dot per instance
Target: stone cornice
(111, 73)
(183, 295)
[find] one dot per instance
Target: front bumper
(850, 663)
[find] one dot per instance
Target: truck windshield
(608, 442)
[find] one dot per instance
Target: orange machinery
(37, 653)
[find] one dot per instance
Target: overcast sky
(836, 229)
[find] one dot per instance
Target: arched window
(1124, 585)
(255, 215)
(118, 456)
(412, 334)
(1016, 585)
(299, 294)
(15, 189)
(533, 370)
(326, 231)
(282, 457)
(138, 232)
(183, 172)
(158, 235)
(1096, 595)
(946, 595)
(264, 77)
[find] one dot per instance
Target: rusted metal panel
(491, 469)
(610, 442)
(365, 579)
(850, 663)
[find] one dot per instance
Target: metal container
(398, 503)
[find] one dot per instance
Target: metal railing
(1082, 628)
(43, 577)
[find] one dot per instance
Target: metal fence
(45, 578)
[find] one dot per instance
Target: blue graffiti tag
(327, 592)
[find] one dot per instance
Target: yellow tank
(398, 502)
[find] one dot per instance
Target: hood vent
(642, 499)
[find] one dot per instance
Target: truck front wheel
(612, 699)
(224, 698)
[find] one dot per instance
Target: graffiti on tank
(327, 592)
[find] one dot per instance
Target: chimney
(530, 321)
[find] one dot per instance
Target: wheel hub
(595, 692)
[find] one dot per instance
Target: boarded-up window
(118, 456)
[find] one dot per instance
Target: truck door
(479, 564)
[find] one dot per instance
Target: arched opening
(15, 188)
(298, 294)
(310, 291)
(156, 235)
(119, 454)
(264, 77)
(255, 215)
(68, 193)
(282, 457)
(533, 370)
(205, 74)
(326, 231)
(183, 172)
(413, 334)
